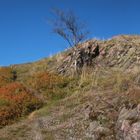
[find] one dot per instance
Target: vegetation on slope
(7, 75)
(51, 86)
(19, 98)
(104, 92)
(15, 99)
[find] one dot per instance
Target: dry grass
(115, 79)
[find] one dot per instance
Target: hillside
(89, 92)
(120, 51)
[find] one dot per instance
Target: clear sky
(25, 35)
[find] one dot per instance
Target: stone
(128, 124)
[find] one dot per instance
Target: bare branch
(67, 25)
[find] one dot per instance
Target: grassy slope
(63, 118)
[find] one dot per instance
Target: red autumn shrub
(15, 101)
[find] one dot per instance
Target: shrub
(51, 85)
(7, 75)
(4, 102)
(16, 101)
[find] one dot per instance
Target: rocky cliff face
(120, 51)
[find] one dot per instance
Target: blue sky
(25, 35)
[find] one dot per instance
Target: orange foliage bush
(43, 80)
(15, 101)
(48, 83)
(7, 75)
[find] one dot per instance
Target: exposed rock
(128, 124)
(81, 56)
(96, 128)
(120, 51)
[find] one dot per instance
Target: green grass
(48, 135)
(4, 102)
(46, 109)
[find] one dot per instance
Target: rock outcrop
(128, 124)
(82, 55)
(120, 51)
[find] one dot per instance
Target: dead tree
(68, 26)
